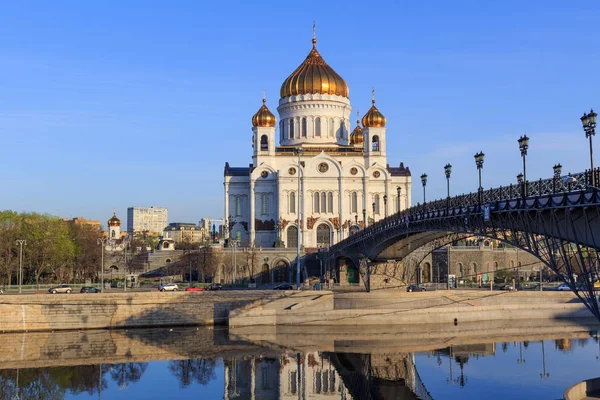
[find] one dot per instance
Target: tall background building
(147, 219)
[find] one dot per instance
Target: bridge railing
(541, 187)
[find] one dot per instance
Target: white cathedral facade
(323, 182)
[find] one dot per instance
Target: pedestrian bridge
(558, 222)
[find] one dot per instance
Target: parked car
(60, 289)
(194, 289)
(168, 287)
(284, 286)
(563, 287)
(415, 288)
(507, 287)
(214, 286)
(89, 289)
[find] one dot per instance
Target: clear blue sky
(109, 104)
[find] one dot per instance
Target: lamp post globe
(589, 127)
(448, 172)
(523, 146)
(398, 191)
(557, 170)
(424, 182)
(479, 157)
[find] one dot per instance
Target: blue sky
(112, 104)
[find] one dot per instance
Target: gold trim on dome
(373, 118)
(314, 76)
(264, 116)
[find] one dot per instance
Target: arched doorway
(265, 277)
(426, 272)
(354, 229)
(281, 272)
(323, 236)
(292, 237)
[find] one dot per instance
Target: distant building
(186, 232)
(82, 221)
(147, 219)
(205, 223)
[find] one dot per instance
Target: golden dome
(373, 118)
(314, 76)
(356, 137)
(263, 117)
(114, 221)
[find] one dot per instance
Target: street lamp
(385, 205)
(102, 242)
(398, 191)
(589, 127)
(520, 181)
(448, 171)
(557, 170)
(356, 219)
(424, 182)
(373, 205)
(365, 217)
(21, 243)
(479, 163)
(523, 146)
(299, 151)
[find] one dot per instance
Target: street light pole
(589, 127)
(398, 191)
(523, 146)
(299, 151)
(479, 163)
(21, 243)
(365, 217)
(448, 171)
(520, 180)
(385, 205)
(102, 243)
(424, 182)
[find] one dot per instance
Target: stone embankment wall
(123, 310)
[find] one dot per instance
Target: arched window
(331, 127)
(292, 237)
(316, 208)
(264, 143)
(292, 203)
(323, 202)
(330, 202)
(238, 206)
(113, 234)
(375, 143)
(318, 127)
(265, 204)
(323, 235)
(354, 206)
(281, 131)
(342, 129)
(376, 201)
(291, 128)
(304, 127)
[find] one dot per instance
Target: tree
(201, 370)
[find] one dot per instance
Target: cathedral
(325, 180)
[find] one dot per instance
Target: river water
(536, 361)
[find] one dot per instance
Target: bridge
(558, 221)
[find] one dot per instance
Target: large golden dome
(314, 76)
(357, 136)
(373, 118)
(263, 117)
(114, 221)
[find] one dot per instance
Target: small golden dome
(114, 221)
(356, 137)
(373, 118)
(263, 117)
(314, 75)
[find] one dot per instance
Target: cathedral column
(303, 208)
(226, 216)
(341, 206)
(252, 211)
(387, 203)
(277, 219)
(365, 201)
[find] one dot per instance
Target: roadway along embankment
(392, 307)
(125, 310)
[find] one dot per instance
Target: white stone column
(304, 210)
(252, 211)
(226, 200)
(341, 206)
(365, 201)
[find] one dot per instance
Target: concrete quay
(400, 308)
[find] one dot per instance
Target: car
(214, 286)
(507, 287)
(194, 289)
(284, 286)
(168, 287)
(60, 289)
(415, 288)
(89, 289)
(563, 287)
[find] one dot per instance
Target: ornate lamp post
(373, 205)
(385, 205)
(424, 182)
(520, 180)
(557, 170)
(479, 163)
(448, 171)
(398, 191)
(523, 146)
(356, 219)
(365, 217)
(589, 127)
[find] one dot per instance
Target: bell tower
(114, 227)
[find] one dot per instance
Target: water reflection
(293, 364)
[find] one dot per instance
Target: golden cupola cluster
(264, 116)
(373, 118)
(357, 137)
(114, 221)
(314, 76)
